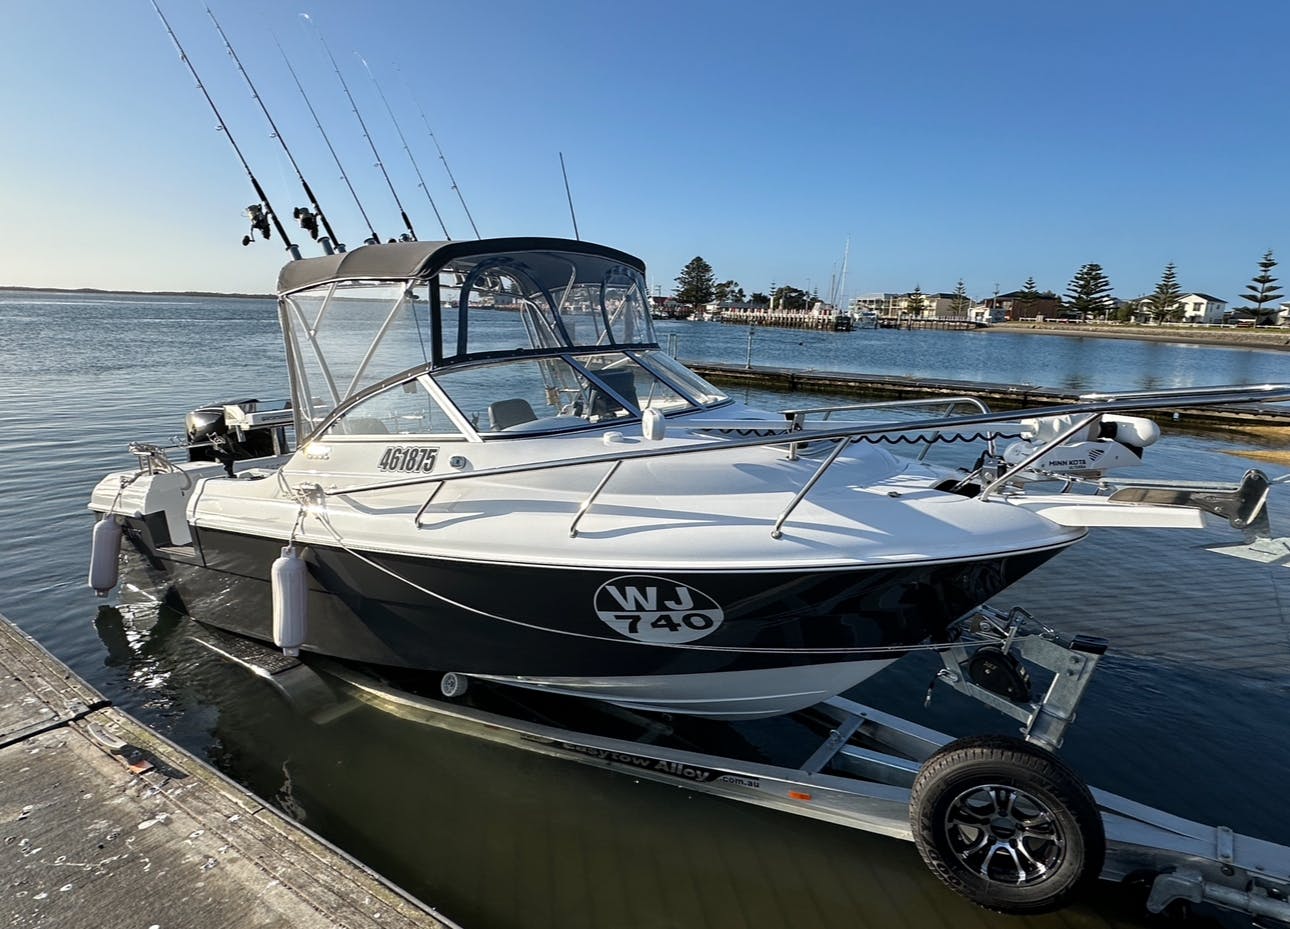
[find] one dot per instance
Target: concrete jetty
(106, 823)
(998, 396)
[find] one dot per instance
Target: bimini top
(409, 260)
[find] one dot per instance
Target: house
(935, 305)
(986, 313)
(881, 303)
(941, 306)
(669, 308)
(1015, 306)
(1137, 310)
(1201, 308)
(1246, 316)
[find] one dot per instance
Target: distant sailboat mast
(840, 303)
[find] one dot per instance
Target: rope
(932, 440)
(804, 438)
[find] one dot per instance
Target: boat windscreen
(693, 385)
(558, 300)
(347, 335)
(554, 393)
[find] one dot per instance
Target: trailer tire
(1006, 824)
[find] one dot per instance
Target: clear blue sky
(985, 141)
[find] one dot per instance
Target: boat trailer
(1001, 820)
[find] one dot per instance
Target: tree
(757, 298)
(1262, 290)
(696, 284)
(1163, 303)
(916, 303)
(1089, 292)
(790, 298)
(961, 302)
(729, 292)
(1028, 298)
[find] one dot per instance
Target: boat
(866, 319)
(488, 469)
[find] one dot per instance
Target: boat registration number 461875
(407, 458)
(657, 610)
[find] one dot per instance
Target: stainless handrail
(798, 417)
(776, 530)
(1136, 402)
(1130, 405)
(883, 404)
(1174, 392)
(416, 520)
(1271, 392)
(591, 498)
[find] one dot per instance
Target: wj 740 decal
(656, 609)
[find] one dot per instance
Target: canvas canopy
(408, 260)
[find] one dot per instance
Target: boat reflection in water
(495, 837)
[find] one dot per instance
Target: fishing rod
(262, 213)
(404, 140)
(373, 238)
(451, 180)
(568, 194)
(306, 217)
(412, 235)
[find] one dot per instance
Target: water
(495, 837)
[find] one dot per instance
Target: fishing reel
(307, 219)
(259, 216)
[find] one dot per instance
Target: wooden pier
(998, 396)
(942, 324)
(786, 319)
(107, 823)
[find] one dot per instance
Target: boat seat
(622, 383)
(362, 425)
(506, 413)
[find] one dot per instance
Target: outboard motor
(1114, 442)
(210, 439)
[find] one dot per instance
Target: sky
(987, 141)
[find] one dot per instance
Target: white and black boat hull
(706, 642)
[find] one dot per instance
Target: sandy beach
(1269, 338)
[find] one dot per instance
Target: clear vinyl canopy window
(345, 336)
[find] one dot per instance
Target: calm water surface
(1065, 362)
(495, 837)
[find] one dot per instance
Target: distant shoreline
(133, 293)
(1276, 339)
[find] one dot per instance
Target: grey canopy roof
(405, 260)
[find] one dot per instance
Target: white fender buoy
(289, 579)
(105, 555)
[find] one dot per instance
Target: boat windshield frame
(623, 406)
(348, 320)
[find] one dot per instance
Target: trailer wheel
(1006, 824)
